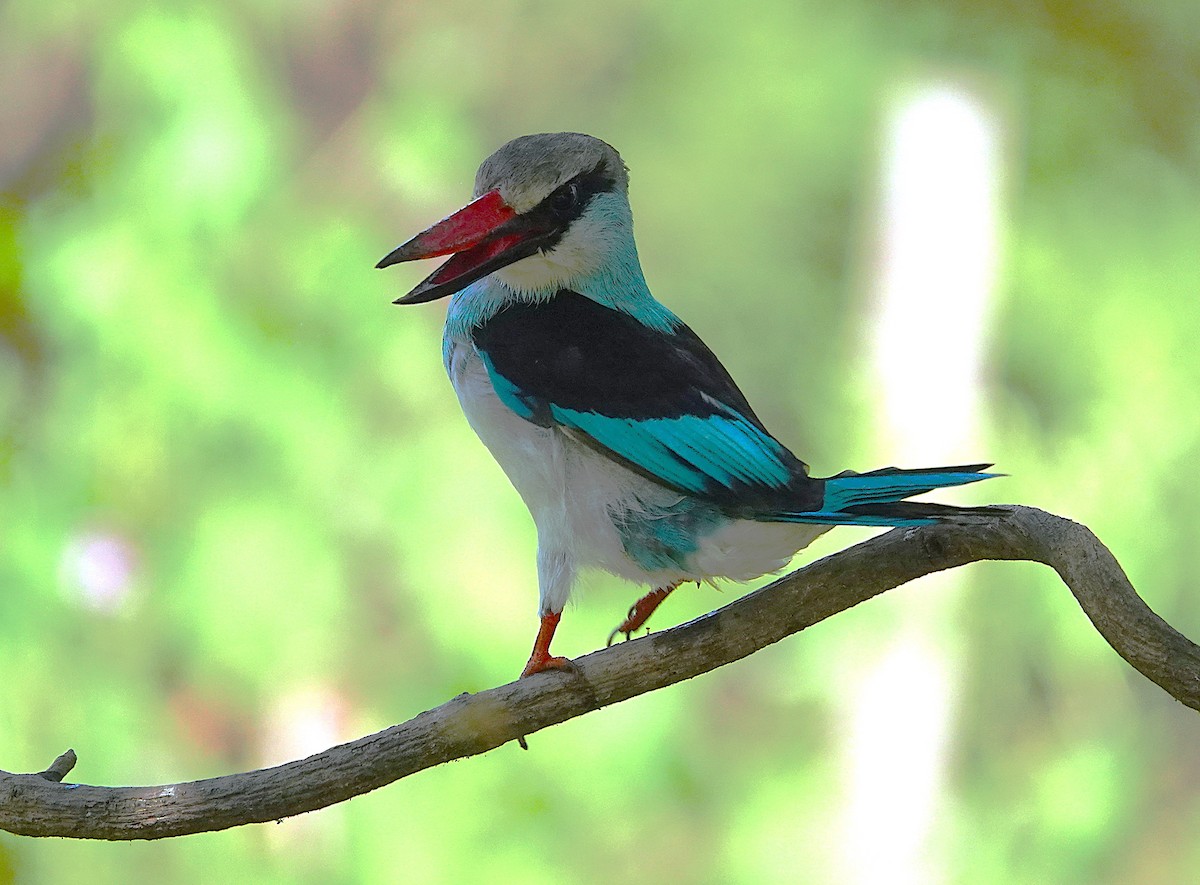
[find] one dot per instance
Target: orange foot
(640, 612)
(538, 663)
(541, 659)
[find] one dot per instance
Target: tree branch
(37, 805)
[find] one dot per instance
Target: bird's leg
(541, 659)
(641, 611)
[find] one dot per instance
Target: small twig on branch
(34, 805)
(60, 767)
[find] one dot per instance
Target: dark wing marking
(661, 402)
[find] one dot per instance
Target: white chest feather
(570, 489)
(573, 493)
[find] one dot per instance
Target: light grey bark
(40, 805)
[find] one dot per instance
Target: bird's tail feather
(877, 498)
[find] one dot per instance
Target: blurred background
(242, 518)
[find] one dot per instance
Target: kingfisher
(631, 445)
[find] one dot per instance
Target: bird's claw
(538, 663)
(612, 637)
(627, 626)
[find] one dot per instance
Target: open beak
(483, 236)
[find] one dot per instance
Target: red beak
(485, 235)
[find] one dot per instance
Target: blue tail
(877, 498)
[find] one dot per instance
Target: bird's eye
(564, 199)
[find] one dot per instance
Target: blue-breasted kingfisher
(631, 445)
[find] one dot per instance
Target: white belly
(572, 492)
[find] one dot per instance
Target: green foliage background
(203, 385)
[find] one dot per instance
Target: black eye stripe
(557, 212)
(564, 198)
(558, 207)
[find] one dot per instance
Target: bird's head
(547, 209)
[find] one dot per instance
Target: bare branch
(35, 805)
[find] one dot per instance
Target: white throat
(583, 249)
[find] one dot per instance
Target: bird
(631, 445)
